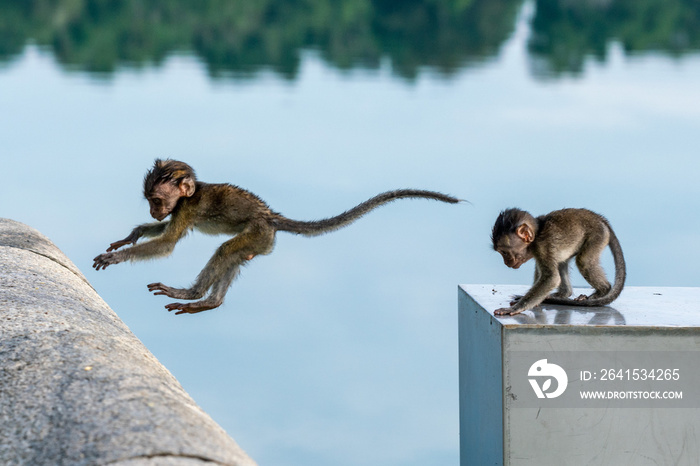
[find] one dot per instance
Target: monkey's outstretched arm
(146, 229)
(159, 246)
(548, 280)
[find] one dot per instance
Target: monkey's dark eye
(156, 201)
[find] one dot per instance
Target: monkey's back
(225, 208)
(567, 231)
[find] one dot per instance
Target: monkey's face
(163, 200)
(514, 251)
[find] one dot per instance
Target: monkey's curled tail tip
(457, 200)
(449, 198)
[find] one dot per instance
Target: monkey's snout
(513, 263)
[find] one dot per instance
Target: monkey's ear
(525, 233)
(187, 187)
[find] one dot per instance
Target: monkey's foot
(515, 298)
(581, 297)
(191, 308)
(506, 311)
(177, 293)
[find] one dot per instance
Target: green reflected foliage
(566, 32)
(239, 37)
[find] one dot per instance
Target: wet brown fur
(172, 189)
(553, 240)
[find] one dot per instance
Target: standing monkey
(171, 188)
(553, 240)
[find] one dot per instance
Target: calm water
(342, 350)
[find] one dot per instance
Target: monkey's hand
(131, 239)
(104, 260)
(117, 244)
(507, 311)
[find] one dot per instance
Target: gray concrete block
(618, 384)
(76, 386)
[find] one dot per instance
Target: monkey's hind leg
(204, 281)
(215, 298)
(588, 263)
(220, 271)
(177, 293)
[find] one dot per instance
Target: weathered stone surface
(76, 386)
(18, 235)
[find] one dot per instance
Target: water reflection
(240, 38)
(565, 33)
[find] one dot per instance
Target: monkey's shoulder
(222, 208)
(224, 195)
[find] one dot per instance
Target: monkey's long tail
(319, 227)
(618, 285)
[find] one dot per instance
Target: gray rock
(76, 386)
